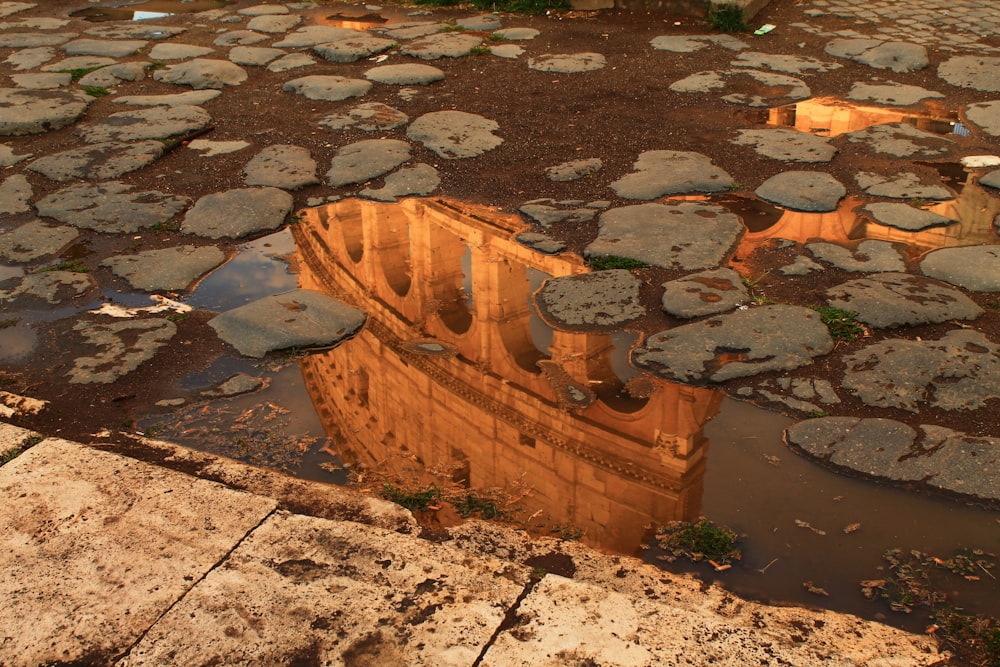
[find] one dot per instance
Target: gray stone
(679, 235)
(991, 179)
(365, 160)
(370, 117)
(404, 31)
(541, 242)
(237, 213)
(975, 268)
(419, 180)
(327, 87)
(36, 111)
(241, 383)
(24, 59)
(588, 301)
(906, 217)
(574, 170)
(178, 51)
(134, 30)
(568, 63)
(869, 256)
(976, 72)
(15, 194)
(959, 371)
(99, 161)
(774, 89)
(202, 73)
(7, 157)
(480, 23)
(803, 191)
(254, 56)
(213, 148)
(103, 48)
(300, 318)
(315, 34)
(354, 48)
(547, 212)
(454, 134)
(78, 63)
(190, 98)
(406, 74)
(659, 173)
(281, 166)
(21, 40)
(898, 299)
(783, 63)
(900, 140)
(986, 115)
(901, 186)
(153, 123)
(891, 93)
(517, 34)
(239, 38)
(46, 81)
(442, 45)
(52, 287)
(800, 266)
(507, 51)
(769, 338)
(789, 145)
(290, 62)
(263, 10)
(274, 24)
(111, 207)
(166, 269)
(897, 56)
(112, 75)
(692, 43)
(937, 458)
(34, 240)
(704, 293)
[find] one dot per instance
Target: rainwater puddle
(831, 116)
(151, 9)
(360, 17)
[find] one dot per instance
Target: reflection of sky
(255, 272)
(17, 342)
(541, 333)
(143, 16)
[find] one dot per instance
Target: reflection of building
(426, 269)
(829, 117)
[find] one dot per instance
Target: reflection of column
(509, 315)
(443, 253)
(840, 226)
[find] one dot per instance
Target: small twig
(762, 570)
(986, 571)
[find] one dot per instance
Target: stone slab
(353, 49)
(370, 117)
(99, 546)
(134, 30)
(281, 166)
(897, 299)
(274, 24)
(367, 159)
(787, 145)
(42, 81)
(115, 48)
(254, 56)
(418, 180)
(158, 122)
(692, 43)
(770, 89)
(602, 300)
(171, 51)
(111, 207)
(30, 58)
(122, 346)
(975, 268)
(985, 115)
(704, 293)
(190, 98)
(891, 93)
(238, 212)
(329, 88)
(290, 62)
(98, 161)
(35, 111)
(51, 287)
(869, 256)
(810, 191)
(239, 38)
(300, 318)
(662, 172)
(568, 63)
(906, 185)
(548, 212)
(574, 170)
(171, 269)
(202, 73)
(34, 240)
(900, 140)
(455, 134)
(22, 40)
(897, 56)
(442, 45)
(112, 75)
(906, 217)
(15, 193)
(315, 34)
(784, 63)
(404, 75)
(976, 72)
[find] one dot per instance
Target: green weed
(842, 324)
(79, 73)
(511, 6)
(609, 262)
(480, 50)
(472, 504)
(71, 266)
(727, 17)
(96, 91)
(167, 226)
(699, 540)
(566, 533)
(9, 322)
(412, 500)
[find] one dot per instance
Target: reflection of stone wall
(492, 420)
(829, 117)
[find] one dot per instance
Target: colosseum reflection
(455, 369)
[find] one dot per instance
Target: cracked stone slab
(906, 217)
(600, 300)
(804, 395)
(418, 180)
(479, 23)
(986, 116)
(112, 75)
(541, 242)
(906, 185)
(110, 543)
(315, 34)
(365, 160)
(704, 293)
(23, 40)
(692, 43)
(190, 98)
(409, 30)
(574, 170)
(237, 213)
(290, 62)
(770, 89)
(43, 81)
(15, 193)
(896, 56)
(548, 212)
(679, 235)
(788, 145)
(568, 63)
(26, 59)
(254, 56)
(976, 72)
(370, 117)
(329, 88)
(870, 256)
(353, 49)
(900, 140)
(202, 73)
(99, 161)
(157, 122)
(35, 111)
(274, 24)
(134, 30)
(52, 287)
(172, 51)
(173, 269)
(408, 74)
(935, 457)
(803, 191)
(739, 344)
(898, 299)
(239, 38)
(455, 134)
(959, 371)
(442, 45)
(121, 48)
(123, 347)
(659, 173)
(450, 604)
(784, 63)
(34, 240)
(281, 166)
(8, 158)
(971, 267)
(891, 93)
(111, 207)
(300, 318)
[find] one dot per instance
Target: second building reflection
(455, 368)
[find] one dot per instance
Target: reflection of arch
(839, 226)
(351, 224)
(829, 117)
(391, 247)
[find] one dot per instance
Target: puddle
(360, 17)
(151, 9)
(17, 339)
(830, 116)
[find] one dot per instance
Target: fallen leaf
(851, 528)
